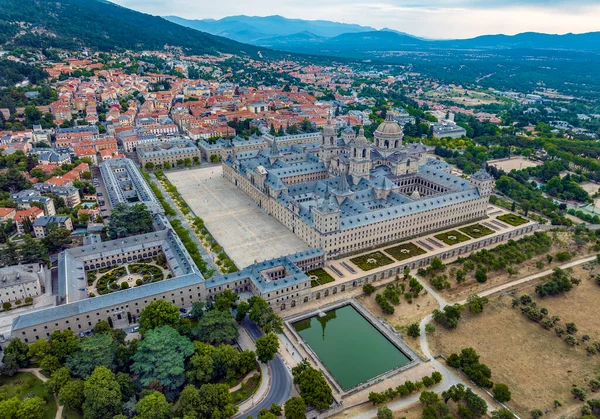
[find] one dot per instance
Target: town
(232, 235)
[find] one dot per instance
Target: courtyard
(247, 233)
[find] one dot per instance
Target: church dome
(389, 128)
(360, 138)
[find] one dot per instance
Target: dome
(361, 139)
(389, 127)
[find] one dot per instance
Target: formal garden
(452, 237)
(319, 277)
(371, 261)
(476, 230)
(110, 279)
(405, 251)
(513, 219)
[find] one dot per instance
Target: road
(281, 380)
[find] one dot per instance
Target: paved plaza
(246, 232)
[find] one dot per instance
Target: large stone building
(172, 151)
(356, 194)
(21, 281)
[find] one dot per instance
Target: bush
(413, 330)
(124, 285)
(384, 304)
(28, 300)
(563, 256)
(501, 393)
(18, 302)
(6, 305)
(579, 393)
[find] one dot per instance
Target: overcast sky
(427, 18)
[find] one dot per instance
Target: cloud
(428, 18)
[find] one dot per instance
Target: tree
(475, 303)
(481, 275)
(57, 238)
(428, 398)
(501, 392)
(502, 413)
(313, 387)
(264, 316)
(369, 289)
(153, 406)
(201, 365)
(129, 220)
(157, 314)
(102, 395)
(413, 330)
(126, 385)
(448, 316)
(476, 404)
(58, 379)
(190, 402)
(295, 408)
(266, 347)
(437, 264)
(49, 364)
(32, 251)
(455, 393)
(39, 349)
(226, 300)
(20, 351)
(217, 326)
(94, 351)
(384, 413)
(197, 310)
(241, 311)
(161, 356)
(71, 395)
(215, 401)
(536, 414)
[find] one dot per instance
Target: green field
(371, 261)
(25, 384)
(405, 251)
(512, 219)
(322, 277)
(476, 231)
(452, 237)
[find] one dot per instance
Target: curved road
(281, 380)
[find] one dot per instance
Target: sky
(426, 18)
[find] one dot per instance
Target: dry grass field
(537, 366)
(516, 163)
(462, 96)
(411, 412)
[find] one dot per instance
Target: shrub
(429, 328)
(571, 340)
(501, 393)
(28, 300)
(563, 256)
(18, 302)
(413, 330)
(384, 304)
(579, 393)
(124, 285)
(427, 381)
(368, 289)
(536, 414)
(6, 305)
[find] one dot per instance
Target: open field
(537, 366)
(247, 233)
(462, 96)
(563, 242)
(590, 187)
(515, 163)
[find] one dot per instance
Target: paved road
(281, 380)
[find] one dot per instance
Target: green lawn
(322, 277)
(452, 237)
(24, 384)
(476, 231)
(405, 251)
(371, 261)
(247, 389)
(512, 219)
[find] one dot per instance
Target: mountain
(531, 40)
(251, 29)
(101, 25)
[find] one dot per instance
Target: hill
(252, 29)
(101, 25)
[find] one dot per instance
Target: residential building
(40, 226)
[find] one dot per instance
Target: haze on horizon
(426, 18)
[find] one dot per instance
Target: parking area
(247, 233)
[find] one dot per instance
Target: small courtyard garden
(26, 385)
(512, 219)
(405, 251)
(319, 277)
(476, 230)
(371, 261)
(126, 276)
(452, 237)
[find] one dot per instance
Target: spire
(343, 184)
(274, 148)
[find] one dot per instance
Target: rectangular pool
(351, 348)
